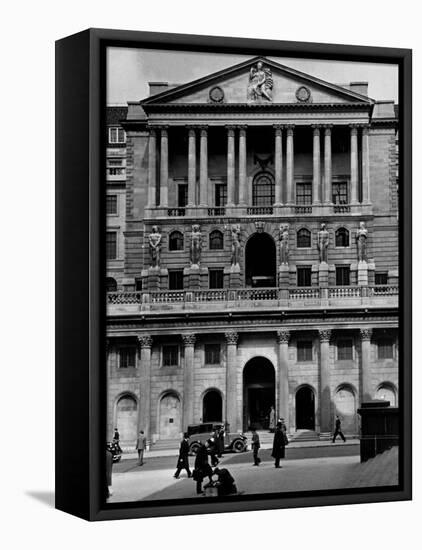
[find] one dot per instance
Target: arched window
(176, 241)
(216, 240)
(342, 237)
(263, 190)
(304, 238)
(111, 285)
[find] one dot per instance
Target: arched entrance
(127, 419)
(345, 408)
(305, 409)
(212, 407)
(387, 393)
(260, 255)
(170, 416)
(258, 393)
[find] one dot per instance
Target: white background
(29, 30)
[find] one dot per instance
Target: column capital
(189, 339)
(152, 131)
(145, 341)
(366, 334)
(325, 335)
(316, 128)
(353, 129)
(191, 130)
(365, 129)
(283, 336)
(230, 130)
(290, 128)
(231, 337)
(278, 129)
(203, 130)
(242, 127)
(164, 131)
(327, 127)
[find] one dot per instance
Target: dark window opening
(342, 237)
(303, 193)
(381, 278)
(304, 238)
(343, 275)
(175, 279)
(182, 195)
(170, 356)
(220, 194)
(216, 240)
(216, 278)
(111, 245)
(111, 204)
(304, 276)
(340, 193)
(385, 348)
(344, 349)
(212, 354)
(304, 350)
(176, 241)
(111, 285)
(127, 358)
(263, 190)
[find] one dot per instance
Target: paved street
(305, 468)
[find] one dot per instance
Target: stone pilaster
(278, 165)
(164, 168)
(145, 345)
(203, 167)
(191, 166)
(242, 165)
(365, 166)
(290, 165)
(316, 178)
(325, 388)
(327, 166)
(188, 379)
(353, 164)
(283, 337)
(366, 376)
(152, 167)
(230, 166)
(232, 414)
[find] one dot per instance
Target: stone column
(366, 198)
(325, 389)
(164, 168)
(230, 166)
(327, 165)
(242, 165)
(365, 335)
(191, 166)
(145, 344)
(203, 167)
(283, 337)
(232, 416)
(353, 164)
(152, 167)
(188, 380)
(316, 179)
(290, 165)
(278, 164)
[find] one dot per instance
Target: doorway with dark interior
(258, 393)
(260, 255)
(212, 407)
(305, 409)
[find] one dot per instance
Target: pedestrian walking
(202, 468)
(211, 445)
(256, 444)
(225, 483)
(109, 469)
(220, 441)
(141, 444)
(183, 460)
(116, 439)
(338, 431)
(279, 445)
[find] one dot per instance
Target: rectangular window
(220, 194)
(303, 193)
(171, 356)
(304, 350)
(175, 279)
(116, 135)
(343, 275)
(345, 349)
(216, 278)
(304, 276)
(385, 348)
(182, 195)
(111, 204)
(111, 245)
(381, 278)
(138, 284)
(340, 195)
(127, 358)
(212, 354)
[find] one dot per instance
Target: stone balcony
(121, 303)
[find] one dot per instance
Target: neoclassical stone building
(260, 255)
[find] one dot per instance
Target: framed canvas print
(233, 274)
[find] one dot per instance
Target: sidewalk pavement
(292, 445)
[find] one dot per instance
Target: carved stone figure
(195, 245)
(155, 246)
(361, 239)
(260, 82)
(322, 244)
(235, 229)
(284, 243)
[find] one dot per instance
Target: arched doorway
(387, 392)
(212, 407)
(345, 408)
(260, 254)
(305, 409)
(127, 419)
(258, 393)
(170, 416)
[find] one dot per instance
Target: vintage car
(200, 433)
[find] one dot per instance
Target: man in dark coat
(338, 431)
(211, 445)
(220, 441)
(255, 447)
(225, 484)
(202, 468)
(183, 461)
(278, 445)
(116, 439)
(108, 472)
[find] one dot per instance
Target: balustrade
(171, 212)
(260, 210)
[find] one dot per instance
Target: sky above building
(130, 69)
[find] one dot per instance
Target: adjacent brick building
(272, 196)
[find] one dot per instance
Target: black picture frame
(80, 261)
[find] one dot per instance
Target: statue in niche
(361, 240)
(322, 244)
(195, 245)
(235, 229)
(155, 246)
(260, 83)
(283, 237)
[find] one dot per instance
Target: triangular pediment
(258, 81)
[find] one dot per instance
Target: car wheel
(238, 446)
(194, 448)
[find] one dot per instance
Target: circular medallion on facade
(216, 94)
(303, 94)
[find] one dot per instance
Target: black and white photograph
(252, 275)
